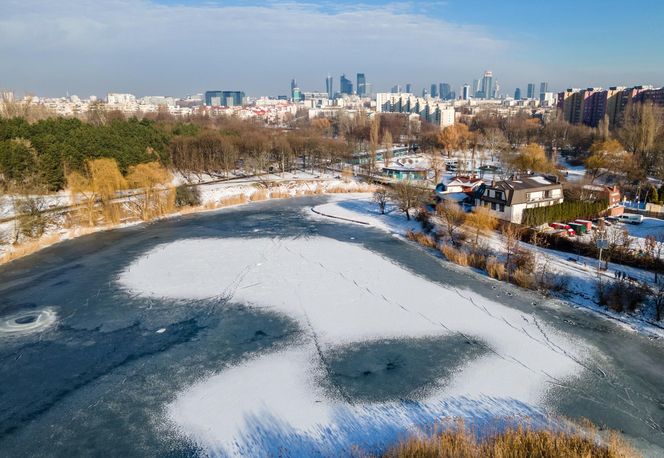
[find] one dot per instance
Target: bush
(187, 196)
(424, 218)
(621, 295)
(32, 220)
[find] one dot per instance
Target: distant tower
(329, 87)
(530, 93)
(487, 85)
(434, 90)
(445, 91)
(293, 85)
(466, 92)
(346, 85)
(476, 87)
(361, 84)
(409, 88)
(517, 94)
(544, 88)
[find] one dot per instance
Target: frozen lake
(252, 330)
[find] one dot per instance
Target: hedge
(567, 211)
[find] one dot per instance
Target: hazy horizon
(150, 47)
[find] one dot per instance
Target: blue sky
(179, 47)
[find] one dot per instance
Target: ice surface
(341, 293)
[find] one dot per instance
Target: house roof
(516, 190)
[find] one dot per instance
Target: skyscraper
(445, 90)
(476, 87)
(517, 94)
(466, 92)
(544, 88)
(487, 85)
(434, 90)
(345, 85)
(293, 85)
(361, 84)
(409, 88)
(530, 94)
(329, 87)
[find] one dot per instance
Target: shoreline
(246, 194)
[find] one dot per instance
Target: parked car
(631, 218)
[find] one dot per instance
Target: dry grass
(478, 261)
(233, 200)
(29, 247)
(260, 194)
(495, 269)
(421, 238)
(524, 279)
(514, 443)
(279, 194)
(454, 255)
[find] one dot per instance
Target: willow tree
(156, 195)
(98, 184)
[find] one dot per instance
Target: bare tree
(481, 220)
(407, 195)
(381, 197)
(453, 216)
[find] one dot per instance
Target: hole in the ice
(26, 319)
(395, 369)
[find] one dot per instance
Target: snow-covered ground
(580, 271)
(343, 295)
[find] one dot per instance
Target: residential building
(593, 192)
(507, 199)
(433, 111)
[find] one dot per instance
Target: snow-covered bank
(343, 295)
(214, 195)
(581, 271)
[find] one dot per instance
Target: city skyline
(176, 48)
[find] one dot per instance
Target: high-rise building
(517, 94)
(345, 85)
(544, 88)
(434, 90)
(466, 92)
(530, 93)
(329, 87)
(425, 93)
(476, 87)
(445, 90)
(396, 89)
(293, 85)
(224, 98)
(409, 88)
(487, 85)
(361, 84)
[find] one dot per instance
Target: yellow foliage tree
(157, 196)
(98, 184)
(530, 158)
(481, 220)
(605, 157)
